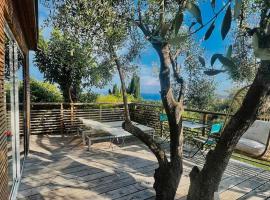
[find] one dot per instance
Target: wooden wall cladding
(3, 143)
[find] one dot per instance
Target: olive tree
(160, 22)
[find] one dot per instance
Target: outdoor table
(143, 128)
(193, 125)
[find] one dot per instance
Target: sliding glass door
(14, 103)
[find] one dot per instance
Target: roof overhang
(28, 15)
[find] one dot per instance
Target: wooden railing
(148, 114)
(57, 118)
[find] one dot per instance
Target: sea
(150, 97)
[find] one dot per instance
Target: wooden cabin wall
(21, 22)
(3, 143)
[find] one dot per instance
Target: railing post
(204, 123)
(161, 123)
(62, 119)
(100, 112)
(71, 113)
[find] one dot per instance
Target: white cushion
(259, 131)
(250, 146)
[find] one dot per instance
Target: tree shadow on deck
(63, 169)
(74, 173)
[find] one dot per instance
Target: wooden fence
(59, 118)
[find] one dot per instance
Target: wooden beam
(26, 81)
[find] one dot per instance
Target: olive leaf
(202, 61)
(195, 11)
(213, 4)
(229, 52)
(213, 72)
(226, 24)
(214, 58)
(226, 61)
(178, 22)
(237, 8)
(209, 31)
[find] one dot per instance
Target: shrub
(113, 99)
(40, 92)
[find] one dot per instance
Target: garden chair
(204, 143)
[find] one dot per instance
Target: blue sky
(149, 79)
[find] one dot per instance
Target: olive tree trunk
(205, 182)
(167, 176)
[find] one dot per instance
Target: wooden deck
(62, 169)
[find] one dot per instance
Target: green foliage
(87, 97)
(134, 87)
(200, 93)
(115, 90)
(44, 92)
(191, 115)
(230, 104)
(40, 92)
(67, 62)
(113, 99)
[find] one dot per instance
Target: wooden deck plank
(83, 181)
(240, 189)
(64, 171)
(260, 193)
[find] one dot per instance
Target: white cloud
(150, 81)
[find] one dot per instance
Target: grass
(252, 161)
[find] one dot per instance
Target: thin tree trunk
(124, 91)
(205, 183)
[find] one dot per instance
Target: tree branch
(177, 77)
(212, 19)
(147, 139)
